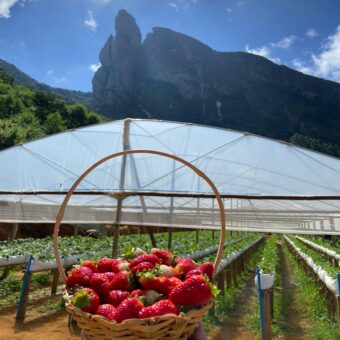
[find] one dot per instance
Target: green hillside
(26, 114)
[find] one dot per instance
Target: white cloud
(327, 63)
(285, 42)
(60, 80)
(178, 5)
(311, 33)
(174, 5)
(229, 10)
(301, 66)
(5, 8)
(263, 51)
(94, 67)
(90, 22)
(56, 79)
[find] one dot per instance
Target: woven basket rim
(153, 320)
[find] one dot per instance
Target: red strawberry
(149, 281)
(80, 276)
(110, 275)
(128, 309)
(173, 282)
(205, 268)
(122, 281)
(100, 283)
(120, 266)
(185, 265)
(144, 258)
(70, 281)
(194, 292)
(165, 256)
(86, 299)
(107, 311)
(138, 292)
(178, 260)
(142, 266)
(105, 264)
(151, 296)
(168, 271)
(157, 309)
(115, 297)
(90, 265)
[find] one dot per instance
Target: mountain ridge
(70, 96)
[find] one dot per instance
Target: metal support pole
(261, 301)
(116, 224)
(22, 306)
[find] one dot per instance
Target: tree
(54, 123)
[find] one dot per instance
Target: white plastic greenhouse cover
(267, 185)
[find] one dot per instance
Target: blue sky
(58, 41)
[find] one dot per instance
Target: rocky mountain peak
(176, 77)
(113, 83)
(127, 29)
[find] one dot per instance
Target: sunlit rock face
(175, 77)
(113, 83)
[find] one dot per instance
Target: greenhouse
(266, 185)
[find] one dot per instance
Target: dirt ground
(234, 326)
(51, 327)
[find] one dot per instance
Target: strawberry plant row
(316, 266)
(212, 250)
(315, 260)
(332, 255)
(73, 249)
(231, 254)
(233, 264)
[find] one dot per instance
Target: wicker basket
(169, 326)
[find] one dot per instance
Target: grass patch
(51, 306)
(41, 278)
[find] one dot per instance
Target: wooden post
(197, 236)
(169, 239)
(14, 231)
(22, 307)
(267, 315)
(272, 303)
(228, 275)
(331, 305)
(116, 225)
(55, 279)
(220, 283)
(338, 300)
(75, 230)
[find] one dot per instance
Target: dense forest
(315, 144)
(26, 114)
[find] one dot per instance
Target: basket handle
(62, 208)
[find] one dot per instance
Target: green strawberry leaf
(214, 290)
(81, 299)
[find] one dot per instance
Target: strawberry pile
(148, 285)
